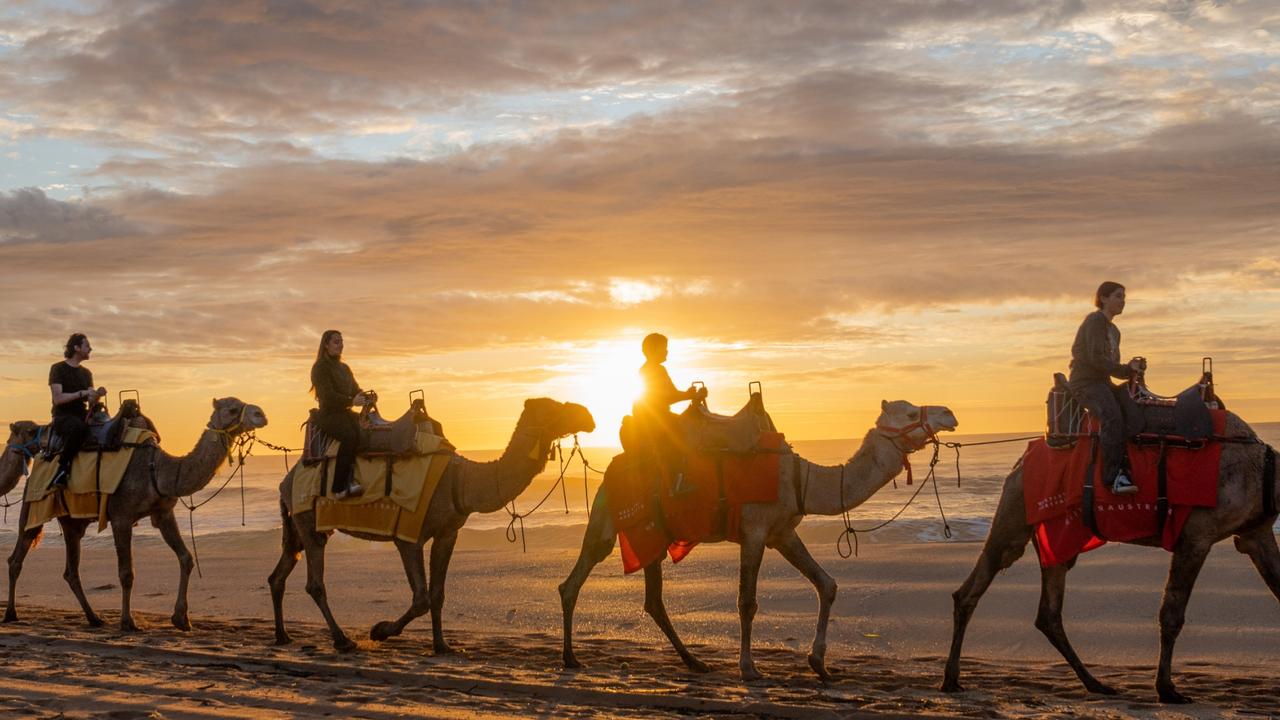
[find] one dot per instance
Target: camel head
(911, 426)
(23, 436)
(234, 416)
(555, 419)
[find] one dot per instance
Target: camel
(143, 491)
(805, 489)
(466, 487)
(1240, 513)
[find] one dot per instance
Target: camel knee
(827, 589)
(747, 609)
(1049, 622)
(185, 563)
(315, 590)
(126, 579)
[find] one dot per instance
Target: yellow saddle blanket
(400, 513)
(94, 477)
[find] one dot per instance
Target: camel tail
(288, 534)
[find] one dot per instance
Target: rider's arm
(326, 392)
(1097, 349)
(62, 398)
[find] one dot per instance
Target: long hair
(1105, 290)
(321, 354)
(72, 343)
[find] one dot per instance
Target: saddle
(700, 430)
(106, 433)
(378, 437)
(1148, 417)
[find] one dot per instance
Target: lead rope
(849, 548)
(243, 446)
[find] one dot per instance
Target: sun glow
(605, 377)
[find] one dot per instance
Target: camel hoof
(182, 622)
(1100, 689)
(128, 625)
(345, 644)
(383, 630)
(10, 615)
(819, 666)
(1171, 696)
(750, 674)
(283, 638)
(93, 621)
(697, 665)
(571, 663)
(951, 684)
(443, 648)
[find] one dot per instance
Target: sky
(497, 200)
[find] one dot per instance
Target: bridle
(27, 449)
(894, 434)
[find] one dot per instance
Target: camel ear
(215, 403)
(884, 404)
(13, 427)
(526, 402)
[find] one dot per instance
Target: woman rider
(336, 391)
(1095, 357)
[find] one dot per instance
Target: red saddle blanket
(1053, 488)
(651, 520)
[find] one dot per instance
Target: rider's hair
(73, 342)
(1105, 290)
(652, 342)
(322, 354)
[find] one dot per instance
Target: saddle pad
(1053, 495)
(384, 517)
(94, 477)
(678, 522)
(408, 472)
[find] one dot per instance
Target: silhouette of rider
(71, 385)
(336, 390)
(658, 425)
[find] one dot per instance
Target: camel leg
(72, 534)
(1260, 545)
(1053, 584)
(657, 609)
(290, 551)
(793, 549)
(751, 554)
(167, 524)
(25, 541)
(313, 545)
(1188, 558)
(441, 553)
(122, 533)
(411, 558)
(1006, 542)
(597, 544)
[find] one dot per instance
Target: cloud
(28, 215)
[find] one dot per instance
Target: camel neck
(489, 486)
(11, 467)
(831, 490)
(192, 472)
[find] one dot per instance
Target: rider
(71, 385)
(336, 390)
(653, 408)
(1095, 357)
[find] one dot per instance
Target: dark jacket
(1093, 357)
(334, 385)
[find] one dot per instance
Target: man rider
(653, 410)
(71, 385)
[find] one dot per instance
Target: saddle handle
(137, 397)
(703, 388)
(420, 395)
(759, 389)
(1206, 365)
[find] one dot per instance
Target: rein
(904, 433)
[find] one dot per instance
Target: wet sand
(889, 636)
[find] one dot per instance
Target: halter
(228, 434)
(904, 433)
(26, 449)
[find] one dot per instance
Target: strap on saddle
(1269, 482)
(1087, 500)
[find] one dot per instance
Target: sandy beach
(889, 634)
